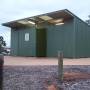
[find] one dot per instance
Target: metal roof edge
(76, 16)
(4, 24)
(66, 10)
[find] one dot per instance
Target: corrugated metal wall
(72, 39)
(60, 38)
(82, 38)
(14, 42)
(21, 47)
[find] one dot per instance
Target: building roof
(52, 18)
(56, 17)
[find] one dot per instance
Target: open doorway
(41, 42)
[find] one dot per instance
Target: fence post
(60, 66)
(1, 71)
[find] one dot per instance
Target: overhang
(56, 18)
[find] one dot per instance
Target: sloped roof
(52, 18)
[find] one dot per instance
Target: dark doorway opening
(41, 42)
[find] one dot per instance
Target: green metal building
(44, 35)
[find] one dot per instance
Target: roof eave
(9, 24)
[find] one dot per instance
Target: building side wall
(82, 36)
(60, 38)
(24, 47)
(14, 42)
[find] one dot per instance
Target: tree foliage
(2, 44)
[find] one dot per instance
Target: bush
(2, 44)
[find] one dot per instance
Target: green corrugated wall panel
(60, 38)
(14, 42)
(82, 38)
(20, 47)
(88, 41)
(27, 48)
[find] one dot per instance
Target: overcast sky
(17, 9)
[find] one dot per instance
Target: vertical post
(60, 66)
(1, 71)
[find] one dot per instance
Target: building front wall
(61, 38)
(23, 42)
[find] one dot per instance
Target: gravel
(39, 77)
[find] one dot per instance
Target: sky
(16, 9)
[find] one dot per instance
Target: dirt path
(9, 60)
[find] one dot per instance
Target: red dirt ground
(75, 76)
(10, 60)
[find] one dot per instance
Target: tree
(2, 44)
